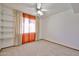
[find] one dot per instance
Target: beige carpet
(39, 48)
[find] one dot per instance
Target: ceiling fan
(40, 10)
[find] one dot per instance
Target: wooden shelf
(7, 24)
(3, 20)
(6, 32)
(6, 38)
(6, 27)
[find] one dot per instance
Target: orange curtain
(30, 36)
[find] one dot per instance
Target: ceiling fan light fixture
(39, 12)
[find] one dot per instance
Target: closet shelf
(2, 20)
(2, 26)
(7, 38)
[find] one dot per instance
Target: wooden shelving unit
(7, 25)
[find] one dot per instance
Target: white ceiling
(75, 7)
(23, 7)
(30, 8)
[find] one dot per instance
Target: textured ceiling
(30, 8)
(23, 7)
(54, 8)
(75, 7)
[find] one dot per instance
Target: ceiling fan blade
(38, 5)
(44, 10)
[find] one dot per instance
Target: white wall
(42, 28)
(62, 28)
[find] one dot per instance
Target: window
(28, 28)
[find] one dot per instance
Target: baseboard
(16, 45)
(61, 45)
(10, 47)
(0, 49)
(40, 40)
